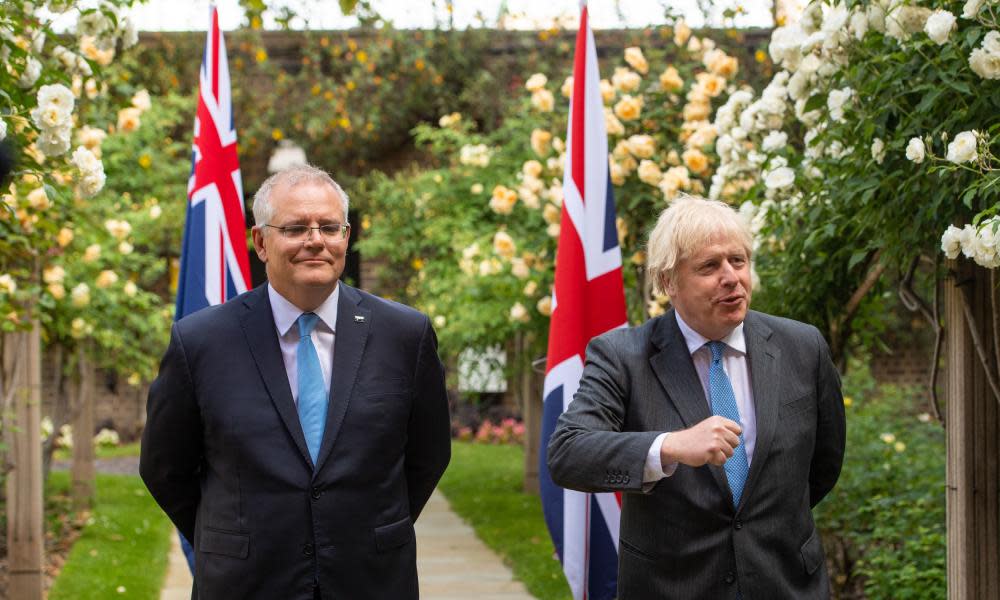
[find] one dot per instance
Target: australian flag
(589, 299)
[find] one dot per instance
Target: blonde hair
(687, 225)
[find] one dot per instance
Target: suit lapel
(262, 339)
(674, 369)
(765, 379)
(350, 337)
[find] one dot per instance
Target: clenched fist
(711, 441)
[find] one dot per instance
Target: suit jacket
(683, 538)
(223, 451)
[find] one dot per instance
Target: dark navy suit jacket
(223, 451)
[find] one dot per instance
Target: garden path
(451, 561)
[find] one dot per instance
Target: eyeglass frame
(343, 227)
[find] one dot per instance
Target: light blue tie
(312, 391)
(724, 405)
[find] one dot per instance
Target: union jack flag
(215, 265)
(588, 300)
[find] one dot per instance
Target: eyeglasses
(331, 231)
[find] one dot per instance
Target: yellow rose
(541, 141)
(635, 59)
(695, 160)
(711, 85)
(38, 199)
(530, 288)
(53, 274)
(607, 91)
(519, 313)
(551, 213)
(617, 174)
(697, 111)
(567, 87)
(641, 146)
(519, 268)
(721, 64)
(649, 172)
(92, 253)
(56, 290)
(536, 82)
(612, 124)
(544, 306)
(543, 100)
(503, 244)
(670, 80)
(625, 80)
(64, 237)
(106, 279)
(681, 33)
(629, 108)
(128, 119)
(532, 168)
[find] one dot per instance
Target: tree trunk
(531, 412)
(25, 536)
(973, 428)
(82, 470)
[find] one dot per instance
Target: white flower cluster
(91, 172)
(477, 155)
(985, 60)
(981, 244)
(54, 118)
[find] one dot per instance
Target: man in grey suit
(724, 426)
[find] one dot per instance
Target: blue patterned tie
(312, 391)
(724, 405)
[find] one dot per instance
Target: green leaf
(814, 102)
(856, 258)
(348, 6)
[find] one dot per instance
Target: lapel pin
(359, 318)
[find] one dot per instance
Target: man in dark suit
(724, 427)
(295, 432)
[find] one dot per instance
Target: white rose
(536, 82)
(859, 24)
(519, 313)
(836, 101)
(32, 70)
(155, 211)
(3, 129)
(971, 9)
(130, 289)
(991, 43)
(80, 295)
(779, 178)
(915, 150)
(951, 242)
(878, 150)
(7, 284)
(963, 148)
(985, 64)
(775, 140)
(939, 26)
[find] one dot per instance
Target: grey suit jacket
(683, 538)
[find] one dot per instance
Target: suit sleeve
(831, 427)
(589, 451)
(428, 444)
(171, 456)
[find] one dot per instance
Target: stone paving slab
(452, 563)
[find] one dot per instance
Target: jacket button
(730, 577)
(307, 549)
(627, 478)
(738, 524)
(316, 493)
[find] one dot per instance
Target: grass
(483, 485)
(122, 549)
(102, 451)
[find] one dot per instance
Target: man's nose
(314, 237)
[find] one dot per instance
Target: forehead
(716, 245)
(307, 199)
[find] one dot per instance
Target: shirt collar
(695, 341)
(286, 314)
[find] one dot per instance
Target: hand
(711, 441)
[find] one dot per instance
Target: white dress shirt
(285, 316)
(734, 363)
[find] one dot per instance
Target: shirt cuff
(655, 470)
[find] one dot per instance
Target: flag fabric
(588, 300)
(215, 265)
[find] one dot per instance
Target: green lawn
(483, 485)
(102, 451)
(122, 550)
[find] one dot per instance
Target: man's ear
(258, 243)
(667, 284)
